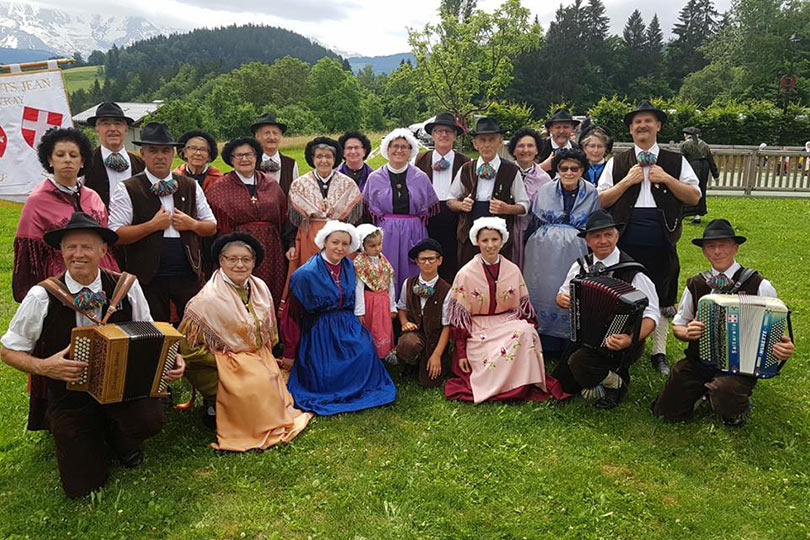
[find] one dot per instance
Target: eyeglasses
(427, 260)
(196, 149)
(595, 146)
(566, 168)
(352, 147)
(246, 155)
(399, 148)
(247, 261)
(442, 131)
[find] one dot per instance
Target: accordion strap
(125, 283)
(624, 265)
(60, 291)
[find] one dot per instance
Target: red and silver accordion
(124, 361)
(740, 331)
(604, 305)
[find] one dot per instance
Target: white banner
(30, 104)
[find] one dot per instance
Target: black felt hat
(486, 125)
(207, 137)
(268, 119)
(598, 220)
(444, 119)
(309, 150)
(428, 244)
(594, 127)
(109, 109)
(249, 239)
(645, 106)
(718, 229)
(156, 134)
(691, 130)
(80, 221)
(560, 116)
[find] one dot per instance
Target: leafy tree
(300, 120)
(697, 23)
(96, 58)
(373, 112)
(403, 100)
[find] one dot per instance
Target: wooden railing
(747, 169)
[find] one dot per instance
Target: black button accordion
(124, 361)
(603, 305)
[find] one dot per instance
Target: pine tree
(634, 35)
(655, 41)
(697, 22)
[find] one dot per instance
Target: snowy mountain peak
(26, 26)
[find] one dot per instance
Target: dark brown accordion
(124, 361)
(604, 305)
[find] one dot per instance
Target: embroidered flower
(503, 351)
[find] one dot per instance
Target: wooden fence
(749, 170)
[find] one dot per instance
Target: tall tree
(461, 9)
(697, 22)
(655, 43)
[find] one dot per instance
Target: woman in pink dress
(498, 356)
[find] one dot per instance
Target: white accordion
(740, 331)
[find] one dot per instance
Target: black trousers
(88, 437)
(586, 367)
(663, 268)
(443, 227)
(690, 380)
(163, 290)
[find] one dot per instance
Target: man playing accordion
(602, 374)
(37, 341)
(691, 382)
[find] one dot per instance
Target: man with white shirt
(441, 165)
(112, 164)
(604, 375)
(560, 128)
(646, 187)
(160, 218)
(691, 382)
(38, 340)
(486, 187)
(283, 169)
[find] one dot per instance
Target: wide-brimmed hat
(486, 125)
(588, 131)
(80, 221)
(249, 239)
(444, 119)
(109, 109)
(598, 220)
(718, 229)
(198, 133)
(691, 130)
(428, 244)
(645, 106)
(268, 119)
(560, 116)
(156, 134)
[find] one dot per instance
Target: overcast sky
(370, 27)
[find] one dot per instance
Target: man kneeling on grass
(37, 342)
(692, 383)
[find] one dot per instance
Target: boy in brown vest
(691, 382)
(160, 217)
(486, 187)
(422, 307)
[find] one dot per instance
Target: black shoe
(611, 398)
(209, 419)
(168, 401)
(742, 418)
(696, 220)
(659, 362)
(131, 459)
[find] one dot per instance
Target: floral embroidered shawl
(376, 276)
(343, 202)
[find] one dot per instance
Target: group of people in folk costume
(292, 290)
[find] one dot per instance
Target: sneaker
(659, 362)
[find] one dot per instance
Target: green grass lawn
(81, 78)
(425, 467)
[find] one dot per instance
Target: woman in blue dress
(335, 367)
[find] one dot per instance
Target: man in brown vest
(441, 165)
(37, 342)
(486, 187)
(646, 187)
(160, 217)
(111, 163)
(560, 127)
(691, 382)
(283, 169)
(603, 375)
(423, 313)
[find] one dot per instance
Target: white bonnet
(334, 225)
(366, 229)
(494, 223)
(400, 133)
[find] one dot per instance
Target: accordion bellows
(740, 331)
(124, 361)
(604, 305)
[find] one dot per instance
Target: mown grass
(425, 467)
(82, 78)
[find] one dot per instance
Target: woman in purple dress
(400, 199)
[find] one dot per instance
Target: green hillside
(82, 77)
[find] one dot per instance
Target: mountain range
(380, 64)
(25, 26)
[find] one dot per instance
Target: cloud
(295, 10)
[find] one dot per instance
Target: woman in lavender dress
(400, 199)
(524, 147)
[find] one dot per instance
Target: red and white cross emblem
(3, 142)
(35, 122)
